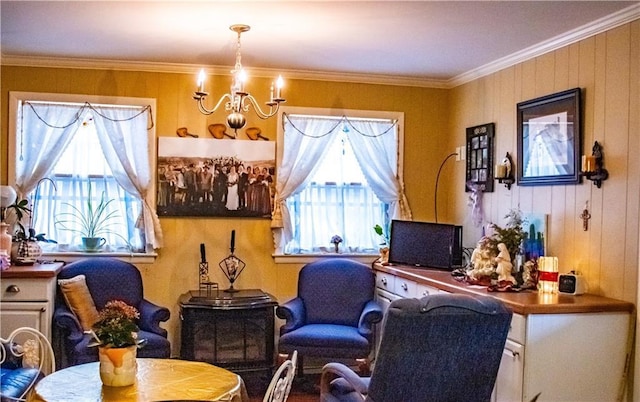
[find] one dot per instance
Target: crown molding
(178, 68)
(598, 26)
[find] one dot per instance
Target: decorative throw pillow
(79, 300)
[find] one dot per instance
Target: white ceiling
(416, 41)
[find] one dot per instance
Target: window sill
(70, 256)
(307, 258)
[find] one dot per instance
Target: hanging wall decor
(480, 157)
(211, 177)
(549, 140)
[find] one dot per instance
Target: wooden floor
(303, 390)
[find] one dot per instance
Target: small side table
(234, 330)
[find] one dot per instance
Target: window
(336, 175)
(67, 152)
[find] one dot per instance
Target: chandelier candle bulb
(279, 85)
(201, 77)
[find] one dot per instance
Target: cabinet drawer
(517, 328)
(425, 290)
(405, 288)
(385, 281)
(27, 289)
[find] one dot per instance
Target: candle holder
(232, 267)
(503, 172)
(593, 166)
(205, 286)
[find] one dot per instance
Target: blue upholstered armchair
(443, 347)
(106, 279)
(333, 314)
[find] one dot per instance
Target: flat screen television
(425, 244)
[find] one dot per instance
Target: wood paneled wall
(606, 67)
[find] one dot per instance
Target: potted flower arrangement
(336, 240)
(116, 335)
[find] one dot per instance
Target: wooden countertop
(525, 302)
(43, 270)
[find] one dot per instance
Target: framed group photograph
(549, 139)
(215, 177)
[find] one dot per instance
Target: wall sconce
(504, 173)
(592, 166)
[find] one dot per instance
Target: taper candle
(233, 240)
(203, 256)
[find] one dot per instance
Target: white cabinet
(564, 357)
(511, 373)
(27, 300)
(560, 348)
(24, 314)
(508, 385)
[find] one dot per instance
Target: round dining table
(156, 380)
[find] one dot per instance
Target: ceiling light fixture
(238, 100)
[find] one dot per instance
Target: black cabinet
(234, 330)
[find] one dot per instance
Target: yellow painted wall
(175, 270)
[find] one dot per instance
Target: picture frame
(550, 139)
(479, 156)
(230, 178)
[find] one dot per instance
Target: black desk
(231, 330)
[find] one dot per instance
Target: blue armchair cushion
(335, 340)
(14, 379)
(14, 383)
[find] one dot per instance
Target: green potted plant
(384, 246)
(511, 234)
(91, 223)
(25, 248)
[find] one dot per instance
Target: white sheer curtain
(122, 134)
(123, 138)
(55, 125)
(380, 166)
(301, 153)
(306, 139)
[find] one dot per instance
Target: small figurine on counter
(504, 264)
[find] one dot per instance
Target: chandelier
(238, 100)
